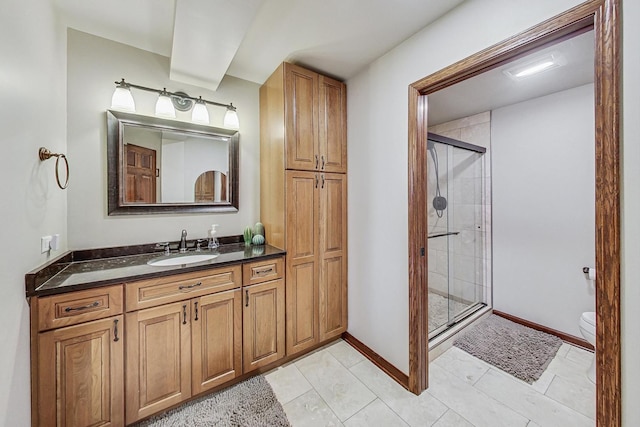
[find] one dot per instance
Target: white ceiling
(249, 38)
(493, 89)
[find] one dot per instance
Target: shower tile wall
(471, 207)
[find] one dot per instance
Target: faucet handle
(165, 246)
(199, 244)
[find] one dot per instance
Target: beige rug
(250, 403)
(521, 351)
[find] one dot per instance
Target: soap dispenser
(213, 240)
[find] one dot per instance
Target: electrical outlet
(55, 242)
(45, 242)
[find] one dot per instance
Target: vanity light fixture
(200, 114)
(164, 106)
(169, 101)
(536, 65)
(122, 98)
(231, 118)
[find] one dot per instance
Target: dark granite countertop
(77, 270)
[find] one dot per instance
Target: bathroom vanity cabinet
(179, 347)
(116, 354)
(79, 359)
(303, 190)
(263, 313)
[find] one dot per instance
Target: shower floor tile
(439, 307)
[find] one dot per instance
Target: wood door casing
(140, 174)
(332, 125)
(216, 339)
(301, 112)
(263, 324)
(333, 255)
(81, 375)
(158, 359)
(302, 260)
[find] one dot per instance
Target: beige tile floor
(337, 386)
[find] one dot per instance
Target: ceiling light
(122, 98)
(200, 113)
(535, 69)
(231, 118)
(164, 106)
(168, 102)
(535, 65)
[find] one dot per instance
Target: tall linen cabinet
(303, 198)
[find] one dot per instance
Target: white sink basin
(180, 259)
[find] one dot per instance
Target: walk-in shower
(458, 225)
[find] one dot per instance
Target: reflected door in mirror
(141, 174)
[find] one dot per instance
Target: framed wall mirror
(160, 165)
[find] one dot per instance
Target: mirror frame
(116, 120)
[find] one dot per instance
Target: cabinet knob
(323, 162)
(246, 299)
(316, 161)
(184, 314)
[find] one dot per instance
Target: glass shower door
(457, 226)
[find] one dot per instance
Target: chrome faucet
(182, 247)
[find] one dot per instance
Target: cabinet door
(333, 255)
(81, 375)
(302, 260)
(263, 324)
(332, 125)
(158, 359)
(301, 123)
(216, 337)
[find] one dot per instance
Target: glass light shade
(200, 114)
(123, 100)
(164, 107)
(231, 119)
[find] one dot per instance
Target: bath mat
(250, 403)
(521, 351)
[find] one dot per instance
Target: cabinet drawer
(80, 306)
(262, 271)
(167, 289)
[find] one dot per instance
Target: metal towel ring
(44, 154)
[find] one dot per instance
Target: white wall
(377, 135)
(93, 65)
(32, 107)
(543, 208)
(630, 292)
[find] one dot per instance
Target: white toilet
(587, 325)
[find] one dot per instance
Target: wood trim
(395, 373)
(549, 31)
(604, 17)
(538, 327)
(608, 250)
(418, 233)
